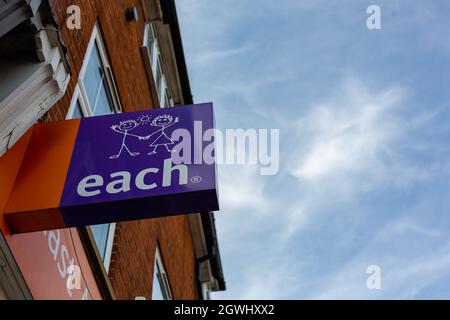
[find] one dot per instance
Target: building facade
(65, 59)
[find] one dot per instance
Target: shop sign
(112, 168)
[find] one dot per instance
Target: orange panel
(40, 182)
(31, 221)
(9, 167)
(43, 259)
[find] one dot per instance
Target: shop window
(154, 60)
(94, 95)
(161, 287)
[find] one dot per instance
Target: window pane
(104, 104)
(95, 84)
(156, 291)
(166, 99)
(100, 233)
(158, 79)
(100, 102)
(150, 42)
(77, 113)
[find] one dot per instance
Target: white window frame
(109, 246)
(163, 280)
(154, 59)
(206, 291)
(76, 98)
(80, 96)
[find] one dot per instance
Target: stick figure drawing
(164, 122)
(124, 128)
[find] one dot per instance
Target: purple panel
(133, 150)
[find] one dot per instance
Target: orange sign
(45, 257)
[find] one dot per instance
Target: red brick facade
(131, 270)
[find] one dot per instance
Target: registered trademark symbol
(196, 179)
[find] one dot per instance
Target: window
(96, 92)
(155, 62)
(161, 287)
(94, 84)
(150, 37)
(101, 235)
(77, 112)
(159, 78)
(94, 95)
(167, 102)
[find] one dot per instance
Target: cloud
(401, 277)
(208, 57)
(269, 281)
(350, 131)
(241, 187)
(364, 144)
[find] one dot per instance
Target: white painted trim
(145, 42)
(155, 60)
(165, 286)
(97, 40)
(73, 102)
(78, 97)
(92, 41)
(109, 246)
(45, 84)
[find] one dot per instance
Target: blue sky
(364, 141)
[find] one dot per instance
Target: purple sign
(122, 167)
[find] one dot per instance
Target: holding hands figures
(162, 139)
(124, 128)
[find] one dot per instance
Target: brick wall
(131, 271)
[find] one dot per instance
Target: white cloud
(402, 277)
(348, 145)
(241, 188)
(270, 281)
(208, 57)
(349, 131)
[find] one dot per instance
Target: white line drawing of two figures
(163, 122)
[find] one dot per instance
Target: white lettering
(243, 138)
(64, 254)
(123, 183)
(140, 179)
(374, 20)
(183, 151)
(74, 278)
(211, 153)
(374, 280)
(168, 170)
(74, 20)
(93, 185)
(90, 182)
(270, 162)
(54, 239)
